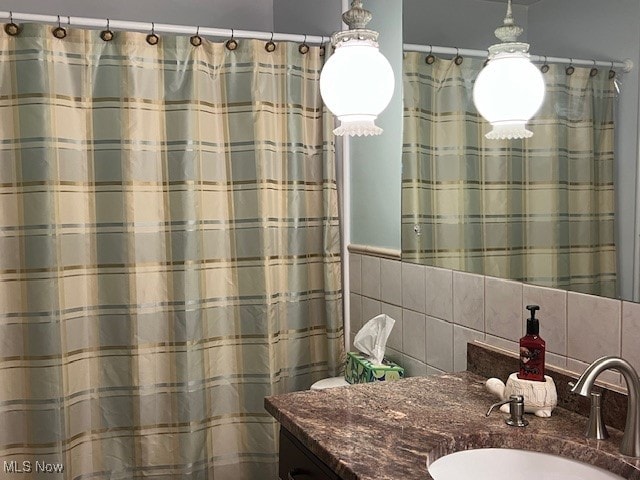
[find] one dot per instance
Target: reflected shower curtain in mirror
(170, 252)
(540, 210)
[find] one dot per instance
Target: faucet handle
(516, 411)
(595, 425)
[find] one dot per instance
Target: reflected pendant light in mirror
(510, 89)
(357, 81)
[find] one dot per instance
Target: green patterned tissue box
(361, 370)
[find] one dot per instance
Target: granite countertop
(393, 430)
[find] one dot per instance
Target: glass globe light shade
(356, 85)
(507, 93)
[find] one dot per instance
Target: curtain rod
(126, 25)
(626, 65)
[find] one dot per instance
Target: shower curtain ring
(323, 49)
(231, 43)
(458, 59)
(12, 28)
(196, 40)
(107, 34)
(59, 32)
(612, 72)
(544, 68)
(303, 48)
(570, 69)
(594, 70)
(430, 59)
(270, 46)
(152, 38)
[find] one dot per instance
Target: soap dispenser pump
(532, 350)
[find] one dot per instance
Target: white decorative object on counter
(540, 398)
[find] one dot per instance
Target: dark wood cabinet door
(298, 463)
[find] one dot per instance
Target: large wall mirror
(558, 209)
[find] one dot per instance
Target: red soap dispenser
(532, 349)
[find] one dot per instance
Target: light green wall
(376, 162)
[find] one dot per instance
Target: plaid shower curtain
(170, 252)
(541, 210)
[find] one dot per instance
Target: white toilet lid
(329, 383)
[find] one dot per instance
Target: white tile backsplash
(503, 308)
(393, 355)
(413, 287)
(434, 371)
(370, 280)
(439, 293)
(439, 344)
(631, 333)
(552, 315)
(462, 336)
(391, 281)
(413, 367)
(555, 360)
(468, 300)
(438, 311)
(355, 312)
(395, 337)
(608, 376)
(355, 273)
(370, 308)
(413, 335)
(593, 326)
(503, 343)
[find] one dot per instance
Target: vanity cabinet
(298, 463)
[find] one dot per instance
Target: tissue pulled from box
(371, 339)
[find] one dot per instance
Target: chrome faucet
(630, 444)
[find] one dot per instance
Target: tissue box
(361, 370)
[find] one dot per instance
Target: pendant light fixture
(510, 89)
(357, 81)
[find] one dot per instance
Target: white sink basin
(507, 464)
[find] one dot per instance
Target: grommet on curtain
(152, 38)
(59, 32)
(231, 44)
(107, 34)
(323, 48)
(196, 40)
(430, 58)
(270, 46)
(12, 28)
(594, 70)
(545, 67)
(612, 72)
(570, 69)
(303, 48)
(458, 59)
